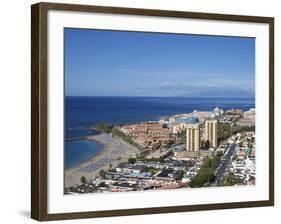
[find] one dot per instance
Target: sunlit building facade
(211, 132)
(193, 137)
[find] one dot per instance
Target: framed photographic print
(140, 111)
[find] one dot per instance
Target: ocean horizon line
(218, 97)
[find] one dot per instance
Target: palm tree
(83, 180)
(102, 173)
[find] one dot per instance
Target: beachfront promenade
(114, 152)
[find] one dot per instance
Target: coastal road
(226, 159)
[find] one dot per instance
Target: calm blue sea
(83, 112)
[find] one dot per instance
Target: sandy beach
(114, 152)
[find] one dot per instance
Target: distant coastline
(191, 97)
(84, 112)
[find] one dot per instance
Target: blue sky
(114, 63)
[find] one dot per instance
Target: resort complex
(189, 150)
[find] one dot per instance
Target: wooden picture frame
(39, 109)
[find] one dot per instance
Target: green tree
(132, 160)
(206, 172)
(83, 179)
(219, 154)
(126, 138)
(102, 173)
(252, 140)
(162, 159)
(101, 184)
(224, 131)
(105, 128)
